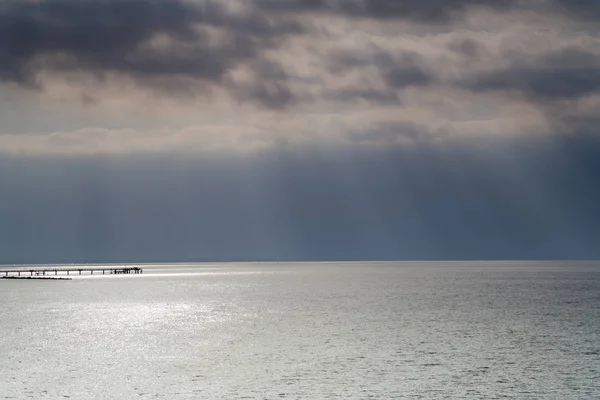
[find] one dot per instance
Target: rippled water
(306, 331)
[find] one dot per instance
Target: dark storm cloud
(97, 32)
(113, 36)
(426, 11)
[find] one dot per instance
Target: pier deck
(69, 270)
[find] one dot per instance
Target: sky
(178, 130)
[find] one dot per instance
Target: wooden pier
(68, 271)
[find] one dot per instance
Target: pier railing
(68, 271)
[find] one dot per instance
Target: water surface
(511, 330)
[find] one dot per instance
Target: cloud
(149, 41)
(425, 11)
(429, 11)
(397, 132)
(98, 34)
(558, 82)
(350, 72)
(398, 70)
(567, 74)
(393, 72)
(267, 85)
(583, 9)
(467, 47)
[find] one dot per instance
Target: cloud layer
(146, 40)
(463, 67)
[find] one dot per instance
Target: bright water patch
(306, 331)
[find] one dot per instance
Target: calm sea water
(306, 331)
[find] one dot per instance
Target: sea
(384, 330)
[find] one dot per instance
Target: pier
(69, 271)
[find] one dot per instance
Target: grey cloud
(467, 47)
(554, 83)
(269, 86)
(114, 35)
(375, 96)
(405, 76)
(105, 30)
(568, 74)
(397, 71)
(571, 58)
(394, 131)
(583, 9)
(541, 84)
(582, 123)
(427, 11)
(273, 95)
(388, 133)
